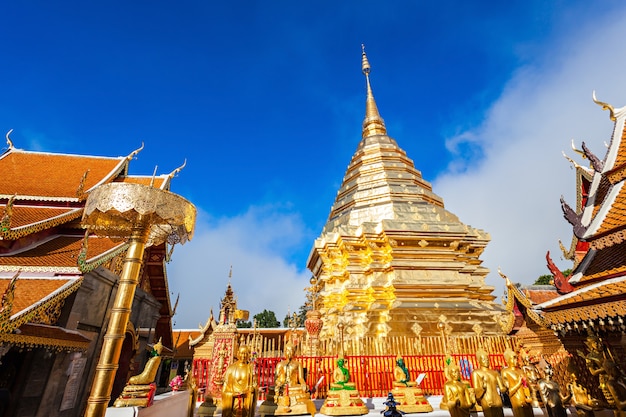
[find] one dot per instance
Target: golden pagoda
(391, 260)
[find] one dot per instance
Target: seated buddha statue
(239, 391)
(289, 395)
(343, 397)
(401, 375)
(341, 377)
(407, 394)
(139, 390)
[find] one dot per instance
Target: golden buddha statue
(343, 397)
(532, 378)
(290, 393)
(341, 377)
(515, 381)
(239, 392)
(406, 393)
(594, 359)
(616, 386)
(580, 398)
(459, 400)
(550, 391)
(139, 390)
(488, 385)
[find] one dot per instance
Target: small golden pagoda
(391, 260)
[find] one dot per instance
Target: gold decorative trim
(514, 292)
(586, 313)
(30, 342)
(13, 234)
(87, 266)
(47, 269)
(606, 241)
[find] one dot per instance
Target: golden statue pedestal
(136, 396)
(295, 403)
(411, 400)
(345, 402)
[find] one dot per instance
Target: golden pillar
(146, 216)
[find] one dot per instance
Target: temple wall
(58, 384)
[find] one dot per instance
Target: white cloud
(513, 191)
(255, 244)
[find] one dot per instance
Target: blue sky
(265, 102)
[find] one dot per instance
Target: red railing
(373, 375)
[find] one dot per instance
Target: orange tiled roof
(608, 290)
(27, 215)
(538, 296)
(181, 342)
(159, 182)
(34, 297)
(29, 291)
(53, 175)
(58, 252)
(606, 262)
(615, 218)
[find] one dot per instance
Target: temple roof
(29, 297)
(57, 253)
(46, 176)
(41, 335)
(42, 198)
(604, 214)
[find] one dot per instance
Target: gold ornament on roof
(9, 141)
(605, 106)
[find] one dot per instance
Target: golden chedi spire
(390, 255)
(373, 124)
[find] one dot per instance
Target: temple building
(593, 300)
(58, 283)
(391, 260)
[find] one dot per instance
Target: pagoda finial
(373, 124)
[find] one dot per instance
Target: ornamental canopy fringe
(115, 209)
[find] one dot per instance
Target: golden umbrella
(145, 216)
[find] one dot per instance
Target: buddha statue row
(290, 396)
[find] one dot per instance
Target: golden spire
(373, 124)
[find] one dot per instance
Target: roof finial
(9, 141)
(605, 106)
(373, 124)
